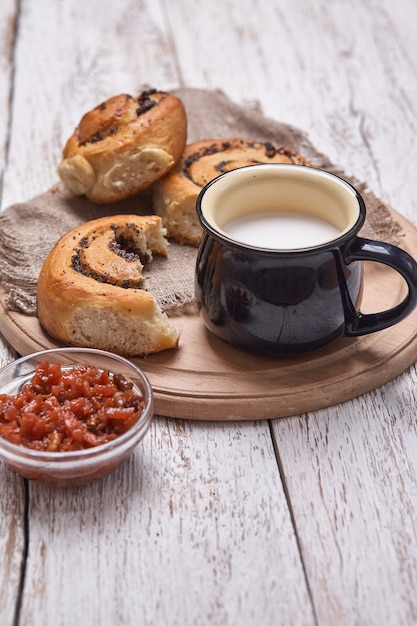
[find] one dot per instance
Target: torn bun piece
(174, 196)
(91, 287)
(124, 145)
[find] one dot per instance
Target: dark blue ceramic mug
(279, 265)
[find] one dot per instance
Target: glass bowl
(71, 468)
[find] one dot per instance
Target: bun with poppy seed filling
(124, 145)
(91, 288)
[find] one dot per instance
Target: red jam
(61, 410)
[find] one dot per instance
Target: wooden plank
(194, 530)
(12, 542)
(70, 57)
(351, 475)
(339, 71)
(12, 493)
(7, 33)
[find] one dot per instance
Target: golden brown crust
(124, 145)
(175, 195)
(90, 288)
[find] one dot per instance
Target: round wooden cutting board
(205, 379)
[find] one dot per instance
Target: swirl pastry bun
(175, 195)
(90, 288)
(124, 145)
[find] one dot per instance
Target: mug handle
(360, 249)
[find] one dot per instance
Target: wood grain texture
(7, 34)
(12, 492)
(219, 523)
(342, 72)
(355, 497)
(12, 542)
(65, 66)
(171, 545)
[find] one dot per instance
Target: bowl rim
(141, 426)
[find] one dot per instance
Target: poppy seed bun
(124, 145)
(90, 288)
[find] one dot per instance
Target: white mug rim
(210, 226)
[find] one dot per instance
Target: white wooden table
(310, 520)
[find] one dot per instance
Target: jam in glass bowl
(69, 416)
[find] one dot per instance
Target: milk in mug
(281, 230)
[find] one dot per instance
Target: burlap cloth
(28, 230)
